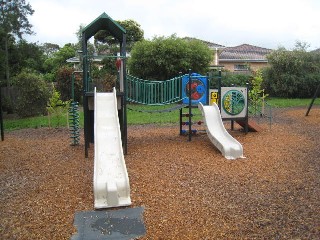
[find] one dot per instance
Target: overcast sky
(268, 24)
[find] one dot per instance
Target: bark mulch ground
(188, 190)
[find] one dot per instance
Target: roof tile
(244, 52)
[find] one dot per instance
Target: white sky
(268, 24)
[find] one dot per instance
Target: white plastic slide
(227, 145)
(111, 183)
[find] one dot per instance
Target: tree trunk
(7, 61)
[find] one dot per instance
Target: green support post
(219, 90)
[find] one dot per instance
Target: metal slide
(227, 145)
(111, 183)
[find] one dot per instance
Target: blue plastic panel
(199, 92)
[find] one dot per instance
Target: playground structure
(105, 115)
(105, 123)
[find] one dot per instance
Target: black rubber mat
(109, 224)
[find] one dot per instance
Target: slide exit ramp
(219, 136)
(111, 182)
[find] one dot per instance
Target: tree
(13, 21)
(164, 57)
(293, 74)
(64, 81)
(49, 49)
(59, 58)
(27, 55)
(104, 40)
(256, 93)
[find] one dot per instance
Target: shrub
(33, 94)
(292, 74)
(64, 82)
(163, 58)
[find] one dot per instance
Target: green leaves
(33, 94)
(293, 74)
(14, 17)
(163, 58)
(256, 93)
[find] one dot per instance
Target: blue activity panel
(199, 89)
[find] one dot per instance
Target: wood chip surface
(188, 189)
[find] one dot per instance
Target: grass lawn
(147, 116)
(295, 102)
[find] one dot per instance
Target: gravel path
(188, 189)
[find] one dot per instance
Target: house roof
(211, 45)
(77, 59)
(244, 53)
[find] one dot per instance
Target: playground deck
(188, 189)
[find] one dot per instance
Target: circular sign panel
(197, 89)
(233, 102)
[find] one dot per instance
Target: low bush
(33, 94)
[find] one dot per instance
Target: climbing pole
(74, 116)
(74, 123)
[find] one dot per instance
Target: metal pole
(208, 89)
(314, 98)
(190, 112)
(124, 95)
(246, 128)
(219, 90)
(85, 98)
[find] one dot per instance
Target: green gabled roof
(104, 22)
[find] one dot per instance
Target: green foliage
(33, 94)
(64, 84)
(13, 23)
(55, 101)
(231, 79)
(26, 55)
(256, 92)
(56, 107)
(13, 17)
(49, 49)
(104, 40)
(163, 58)
(292, 74)
(59, 58)
(104, 79)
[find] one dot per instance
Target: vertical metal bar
(208, 89)
(85, 100)
(124, 94)
(219, 90)
(180, 121)
(190, 112)
(246, 128)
